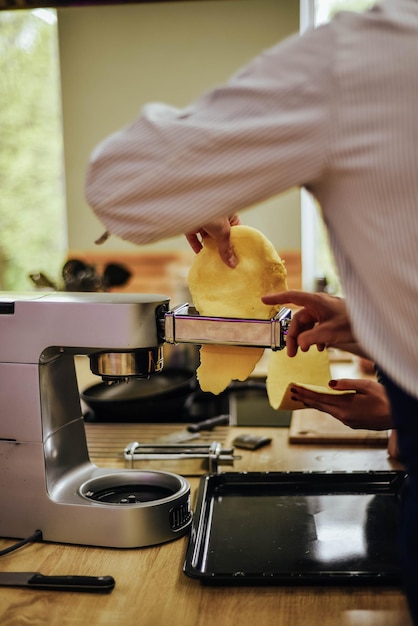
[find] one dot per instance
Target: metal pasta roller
(183, 324)
(187, 459)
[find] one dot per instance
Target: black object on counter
(80, 276)
(209, 424)
(251, 442)
(296, 528)
(37, 581)
(172, 395)
(160, 397)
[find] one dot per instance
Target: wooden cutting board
(315, 427)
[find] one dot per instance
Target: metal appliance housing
(45, 470)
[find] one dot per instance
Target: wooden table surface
(151, 589)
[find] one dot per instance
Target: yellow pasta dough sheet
(310, 370)
(221, 364)
(220, 291)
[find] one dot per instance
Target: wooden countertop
(151, 589)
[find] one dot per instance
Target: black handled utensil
(193, 430)
(35, 580)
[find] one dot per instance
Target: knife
(35, 580)
(193, 430)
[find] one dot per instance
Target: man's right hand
(322, 321)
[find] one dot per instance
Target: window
(32, 197)
(318, 263)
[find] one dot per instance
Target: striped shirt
(334, 111)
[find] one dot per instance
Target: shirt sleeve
(263, 132)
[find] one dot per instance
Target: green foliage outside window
(32, 196)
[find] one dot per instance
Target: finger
(347, 384)
(300, 298)
(321, 335)
(226, 252)
(234, 220)
(220, 230)
(308, 339)
(307, 395)
(300, 322)
(323, 401)
(194, 242)
(225, 249)
(291, 346)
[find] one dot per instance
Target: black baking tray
(296, 528)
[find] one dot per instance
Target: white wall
(116, 58)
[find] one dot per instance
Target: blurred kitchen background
(70, 76)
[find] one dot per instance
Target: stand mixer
(47, 481)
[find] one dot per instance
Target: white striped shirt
(335, 111)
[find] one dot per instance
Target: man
(334, 111)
